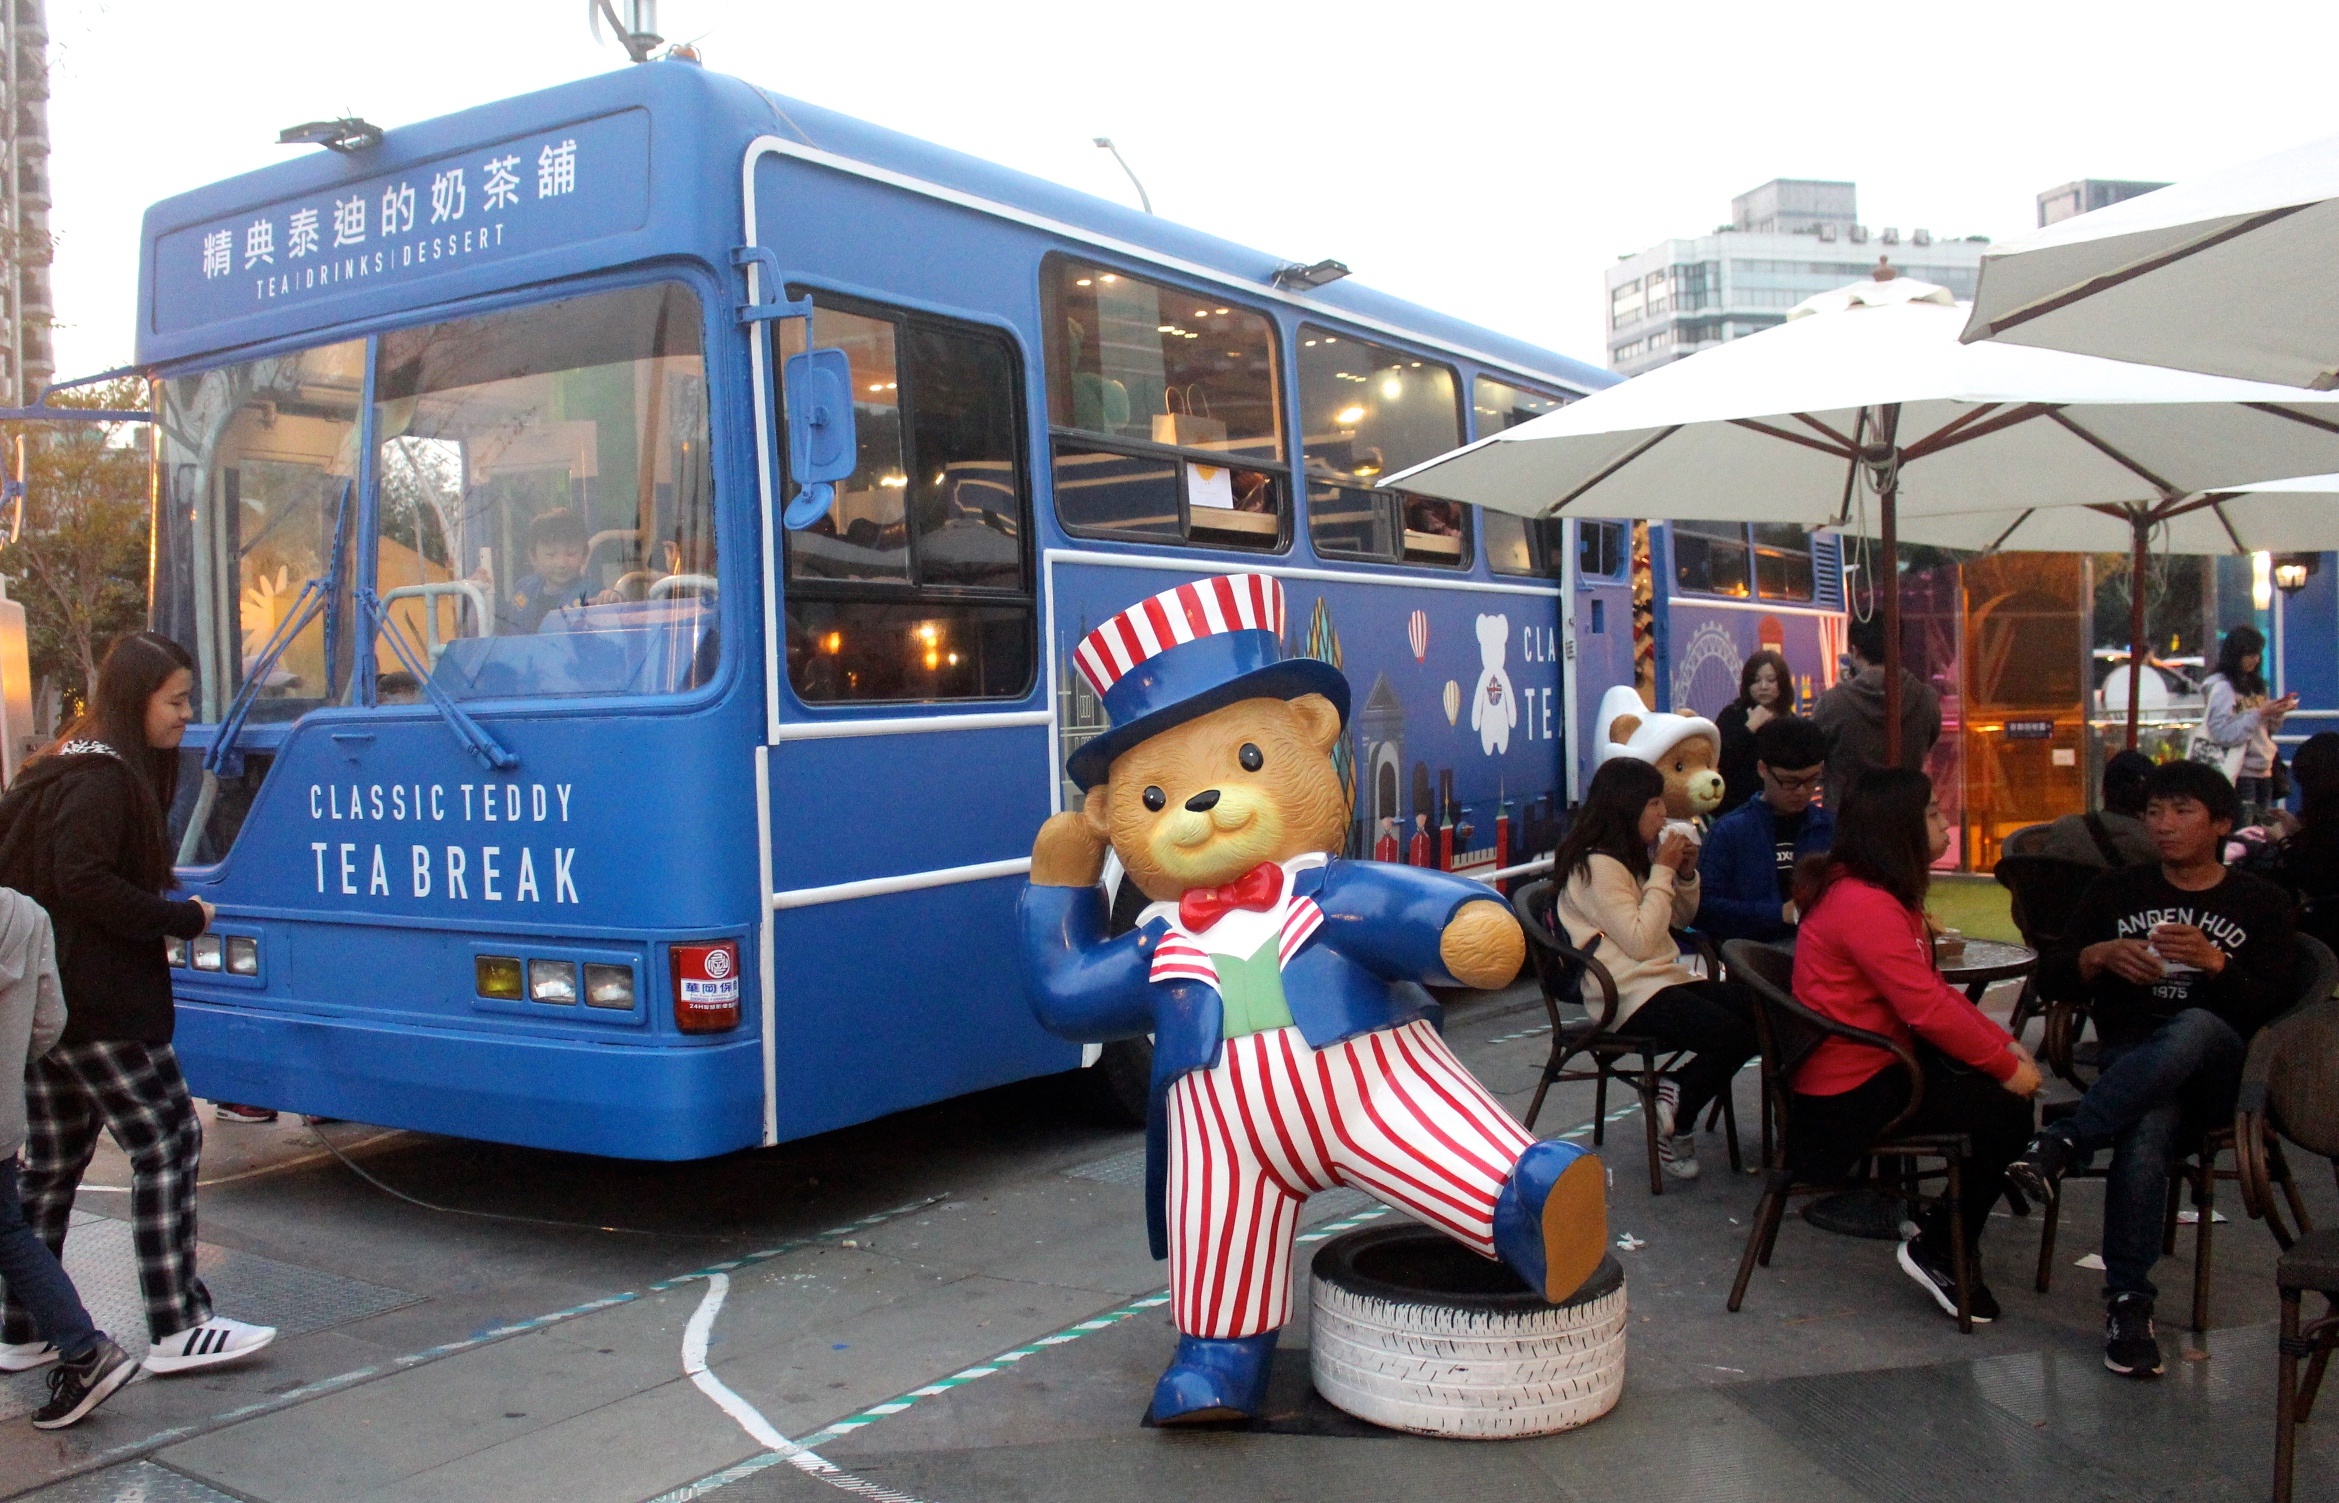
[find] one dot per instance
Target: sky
(1486, 158)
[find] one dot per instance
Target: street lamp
(2293, 570)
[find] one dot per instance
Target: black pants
(1712, 1019)
(1827, 1135)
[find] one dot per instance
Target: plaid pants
(135, 1092)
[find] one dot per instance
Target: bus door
(900, 797)
(1600, 635)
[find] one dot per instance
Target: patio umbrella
(2284, 516)
(2228, 274)
(1867, 390)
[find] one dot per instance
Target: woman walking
(1621, 907)
(1766, 690)
(1864, 956)
(82, 832)
(2240, 716)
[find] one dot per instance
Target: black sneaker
(2038, 1172)
(1932, 1272)
(2130, 1346)
(1981, 1302)
(75, 1388)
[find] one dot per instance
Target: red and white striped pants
(1391, 1113)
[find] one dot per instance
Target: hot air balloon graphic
(1417, 633)
(1453, 701)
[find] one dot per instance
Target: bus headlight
(552, 981)
(498, 975)
(609, 986)
(209, 952)
(243, 955)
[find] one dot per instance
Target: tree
(80, 561)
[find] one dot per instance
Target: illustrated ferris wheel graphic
(1710, 643)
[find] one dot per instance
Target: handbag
(2210, 753)
(1193, 428)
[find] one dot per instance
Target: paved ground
(956, 1305)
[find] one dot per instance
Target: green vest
(1250, 992)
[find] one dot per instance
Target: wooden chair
(1790, 1032)
(2044, 891)
(1561, 971)
(2197, 1164)
(2290, 1089)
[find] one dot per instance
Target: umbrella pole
(2139, 561)
(1888, 581)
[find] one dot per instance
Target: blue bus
(594, 755)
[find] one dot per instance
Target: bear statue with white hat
(1294, 1047)
(1687, 749)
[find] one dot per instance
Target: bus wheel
(1412, 1330)
(1120, 1083)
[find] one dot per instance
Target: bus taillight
(706, 987)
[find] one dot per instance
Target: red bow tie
(1257, 888)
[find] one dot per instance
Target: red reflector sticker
(706, 986)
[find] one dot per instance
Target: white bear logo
(1494, 706)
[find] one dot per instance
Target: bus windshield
(545, 509)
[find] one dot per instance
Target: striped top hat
(1186, 652)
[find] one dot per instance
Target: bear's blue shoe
(1214, 1380)
(1551, 1221)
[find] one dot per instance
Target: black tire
(1413, 1331)
(1119, 1085)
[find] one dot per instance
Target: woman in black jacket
(82, 832)
(1766, 688)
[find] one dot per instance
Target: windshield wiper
(469, 732)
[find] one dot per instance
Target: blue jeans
(2154, 1095)
(36, 1280)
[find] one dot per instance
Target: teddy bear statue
(1282, 984)
(1687, 749)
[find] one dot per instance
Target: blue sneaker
(1214, 1380)
(1551, 1221)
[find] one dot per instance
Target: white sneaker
(24, 1356)
(1678, 1155)
(215, 1341)
(1668, 1106)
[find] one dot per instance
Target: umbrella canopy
(2287, 516)
(2228, 274)
(1869, 390)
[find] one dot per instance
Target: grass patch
(1977, 906)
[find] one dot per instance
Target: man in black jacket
(2181, 960)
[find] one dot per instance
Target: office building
(1786, 240)
(27, 360)
(2086, 196)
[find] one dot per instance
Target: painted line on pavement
(798, 1452)
(274, 1403)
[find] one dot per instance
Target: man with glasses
(1748, 868)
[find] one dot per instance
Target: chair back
(2046, 890)
(2027, 841)
(1791, 1033)
(1560, 968)
(2297, 1056)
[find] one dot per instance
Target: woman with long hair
(1864, 956)
(1766, 689)
(1621, 907)
(2241, 715)
(83, 833)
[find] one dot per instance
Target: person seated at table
(2181, 961)
(1748, 867)
(2115, 835)
(1864, 956)
(1621, 907)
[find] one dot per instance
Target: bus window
(257, 463)
(1710, 558)
(1602, 549)
(1782, 561)
(547, 511)
(913, 586)
(1165, 411)
(1369, 411)
(1521, 545)
(1496, 405)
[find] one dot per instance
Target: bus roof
(302, 245)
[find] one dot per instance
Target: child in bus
(557, 543)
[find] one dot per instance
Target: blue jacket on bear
(1363, 969)
(1739, 870)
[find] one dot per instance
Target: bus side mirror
(822, 446)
